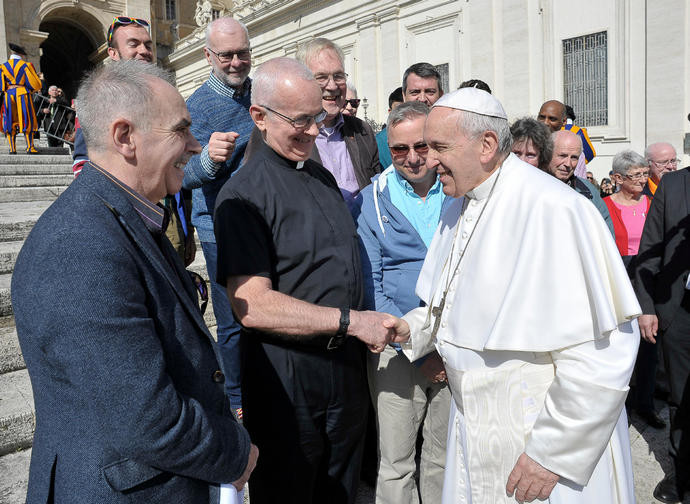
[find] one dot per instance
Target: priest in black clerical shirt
(288, 253)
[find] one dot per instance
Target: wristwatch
(339, 338)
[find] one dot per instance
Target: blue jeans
(228, 329)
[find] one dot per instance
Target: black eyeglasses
(123, 21)
(402, 150)
(354, 102)
(301, 122)
(228, 56)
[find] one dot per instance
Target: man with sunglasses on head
(346, 146)
(222, 125)
(399, 213)
(129, 39)
(289, 255)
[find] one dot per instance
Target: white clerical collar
(481, 192)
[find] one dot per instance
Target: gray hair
(307, 50)
(474, 125)
(352, 88)
(270, 74)
(119, 89)
(407, 112)
(626, 159)
(223, 24)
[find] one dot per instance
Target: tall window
(215, 13)
(443, 71)
(170, 10)
(585, 78)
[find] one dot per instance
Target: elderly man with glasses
(662, 159)
(346, 146)
(289, 255)
(222, 125)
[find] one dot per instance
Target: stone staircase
(28, 185)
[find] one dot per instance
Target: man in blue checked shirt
(221, 123)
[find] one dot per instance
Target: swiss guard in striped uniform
(19, 81)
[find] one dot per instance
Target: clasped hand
(377, 330)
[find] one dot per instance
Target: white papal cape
(538, 338)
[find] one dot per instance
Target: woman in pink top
(628, 209)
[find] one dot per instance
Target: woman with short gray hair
(628, 208)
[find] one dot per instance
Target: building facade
(624, 65)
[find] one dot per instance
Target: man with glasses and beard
(222, 125)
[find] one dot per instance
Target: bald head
(225, 24)
(279, 74)
(552, 113)
(661, 157)
(567, 148)
(286, 107)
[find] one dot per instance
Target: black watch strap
(344, 322)
(340, 335)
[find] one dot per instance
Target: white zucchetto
(473, 100)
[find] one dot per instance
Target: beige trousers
(404, 399)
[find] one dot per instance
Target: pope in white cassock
(531, 309)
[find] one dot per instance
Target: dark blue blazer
(121, 363)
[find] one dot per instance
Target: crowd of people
(486, 274)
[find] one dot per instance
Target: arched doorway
(67, 53)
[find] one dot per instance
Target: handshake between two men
(377, 330)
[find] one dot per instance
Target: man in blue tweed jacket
(222, 125)
(129, 397)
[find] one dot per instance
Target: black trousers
(642, 396)
(676, 349)
(306, 410)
